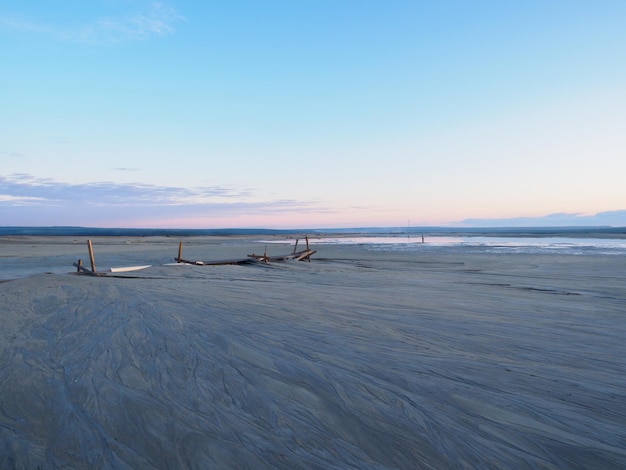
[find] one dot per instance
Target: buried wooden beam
(217, 262)
(83, 270)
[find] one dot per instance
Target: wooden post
(80, 264)
(295, 248)
(93, 263)
(308, 249)
(180, 251)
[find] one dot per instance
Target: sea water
(476, 244)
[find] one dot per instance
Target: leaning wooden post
(307, 249)
(93, 263)
(295, 248)
(180, 251)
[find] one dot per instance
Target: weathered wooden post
(79, 265)
(93, 262)
(180, 251)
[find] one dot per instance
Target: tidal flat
(358, 359)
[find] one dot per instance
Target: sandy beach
(359, 359)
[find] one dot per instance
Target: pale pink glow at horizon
(273, 222)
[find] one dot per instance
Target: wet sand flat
(359, 359)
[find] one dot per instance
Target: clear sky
(310, 113)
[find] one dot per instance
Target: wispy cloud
(122, 168)
(157, 20)
(37, 201)
(107, 193)
(16, 22)
(19, 200)
(12, 154)
(151, 19)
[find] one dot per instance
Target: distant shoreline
(530, 232)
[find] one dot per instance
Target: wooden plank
(216, 262)
(306, 255)
(227, 261)
(267, 258)
(125, 269)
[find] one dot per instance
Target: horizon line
(76, 230)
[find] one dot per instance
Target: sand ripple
(483, 362)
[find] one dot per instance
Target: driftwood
(218, 262)
(294, 255)
(82, 269)
(92, 272)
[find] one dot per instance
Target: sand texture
(359, 359)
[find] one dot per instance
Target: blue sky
(326, 113)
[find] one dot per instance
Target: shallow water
(529, 245)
